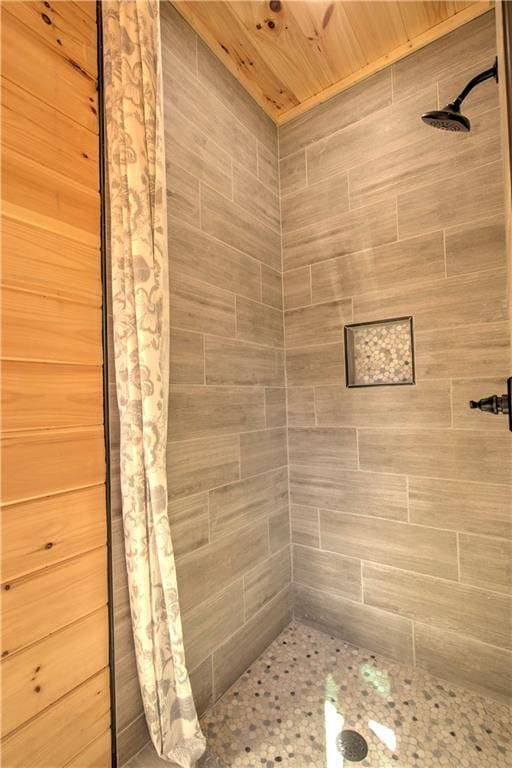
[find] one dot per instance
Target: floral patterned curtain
(140, 301)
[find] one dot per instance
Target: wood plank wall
(54, 556)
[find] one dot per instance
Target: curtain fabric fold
(140, 305)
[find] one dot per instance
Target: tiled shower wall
(401, 495)
(227, 455)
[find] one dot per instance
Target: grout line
(244, 600)
(236, 312)
(244, 169)
(232, 180)
(407, 239)
(209, 518)
(198, 385)
(314, 346)
(200, 206)
(241, 340)
(398, 474)
(258, 163)
(215, 239)
(379, 517)
(285, 359)
(224, 434)
(274, 599)
(369, 199)
(254, 217)
(407, 191)
(181, 67)
(196, 54)
(240, 457)
(297, 192)
(320, 537)
(210, 656)
(204, 361)
(436, 329)
(220, 487)
(484, 591)
(392, 613)
(357, 252)
(239, 529)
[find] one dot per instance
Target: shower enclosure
(358, 538)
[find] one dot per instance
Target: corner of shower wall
(228, 464)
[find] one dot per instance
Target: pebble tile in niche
(380, 353)
(291, 706)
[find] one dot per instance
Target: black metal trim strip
(106, 410)
(507, 67)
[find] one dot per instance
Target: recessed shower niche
(379, 353)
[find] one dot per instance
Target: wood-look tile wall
(400, 496)
(55, 681)
(228, 475)
(227, 455)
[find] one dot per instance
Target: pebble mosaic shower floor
(290, 707)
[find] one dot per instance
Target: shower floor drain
(352, 746)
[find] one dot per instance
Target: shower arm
(485, 75)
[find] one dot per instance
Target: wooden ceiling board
(377, 26)
(283, 46)
(291, 54)
(242, 53)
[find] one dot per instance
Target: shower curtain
(140, 305)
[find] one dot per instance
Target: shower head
(450, 118)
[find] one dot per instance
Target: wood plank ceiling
(291, 55)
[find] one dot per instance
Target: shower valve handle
(496, 403)
(492, 404)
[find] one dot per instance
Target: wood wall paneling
(47, 530)
(62, 730)
(54, 556)
(43, 262)
(38, 677)
(51, 461)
